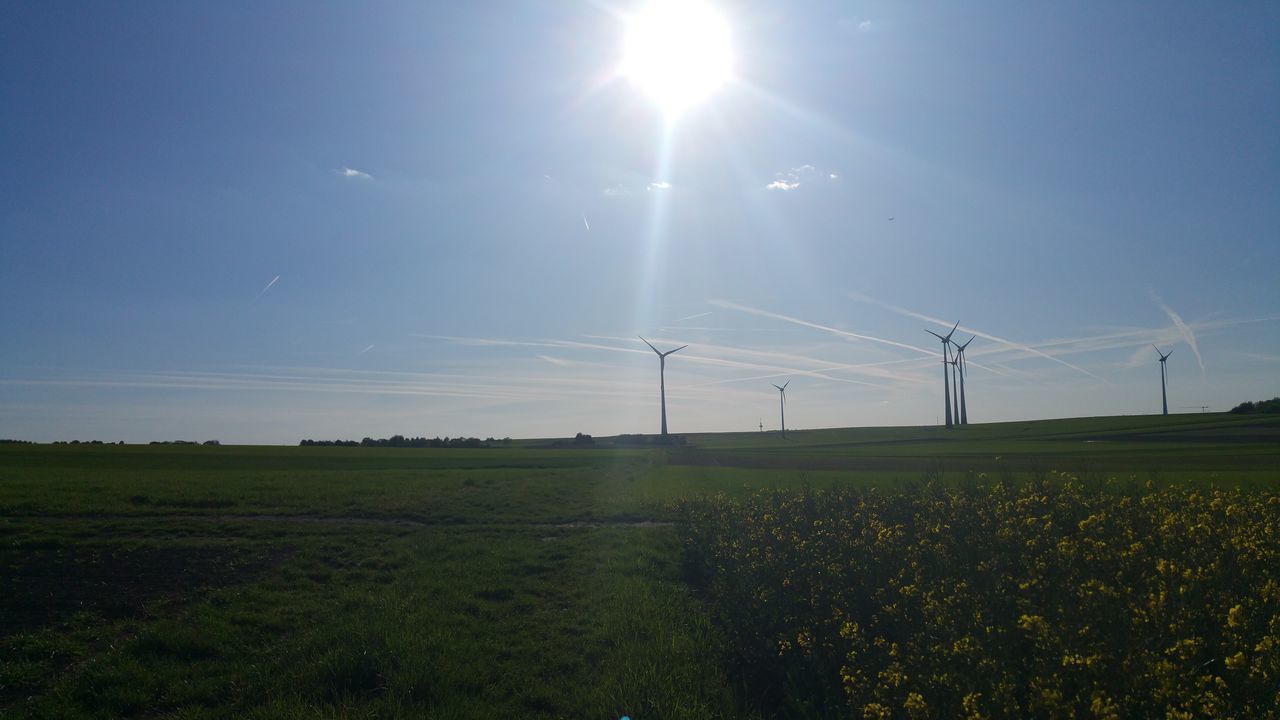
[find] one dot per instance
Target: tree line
(409, 442)
(1262, 406)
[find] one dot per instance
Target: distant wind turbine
(1164, 378)
(964, 369)
(782, 404)
(946, 360)
(662, 378)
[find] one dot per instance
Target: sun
(677, 52)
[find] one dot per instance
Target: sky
(262, 222)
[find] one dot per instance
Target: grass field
(522, 581)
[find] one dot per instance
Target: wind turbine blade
(776, 385)
(651, 347)
(673, 351)
(936, 335)
(785, 384)
(1157, 350)
(953, 330)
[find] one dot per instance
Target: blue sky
(468, 217)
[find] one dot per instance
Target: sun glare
(677, 52)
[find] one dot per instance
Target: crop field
(1100, 567)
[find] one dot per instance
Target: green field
(521, 581)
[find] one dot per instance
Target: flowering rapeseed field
(997, 599)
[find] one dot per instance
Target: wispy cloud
(1138, 339)
(659, 185)
(352, 173)
(765, 363)
(286, 381)
(615, 191)
(805, 323)
(500, 342)
(943, 323)
(264, 290)
(1188, 336)
(865, 25)
(1139, 357)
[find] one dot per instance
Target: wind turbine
(964, 368)
(946, 380)
(782, 404)
(662, 378)
(1164, 377)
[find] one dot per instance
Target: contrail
(874, 369)
(691, 317)
(366, 350)
(920, 316)
(584, 222)
(264, 290)
(1187, 336)
(805, 323)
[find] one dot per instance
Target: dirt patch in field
(614, 524)
(44, 585)
(360, 520)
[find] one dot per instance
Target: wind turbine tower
(782, 404)
(964, 369)
(946, 379)
(662, 378)
(1164, 379)
(955, 387)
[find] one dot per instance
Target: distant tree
(583, 439)
(212, 442)
(1262, 406)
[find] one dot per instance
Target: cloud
(993, 338)
(1188, 336)
(659, 185)
(264, 290)
(791, 179)
(615, 191)
(834, 331)
(1139, 357)
(352, 173)
(585, 223)
(865, 25)
(367, 349)
(775, 364)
